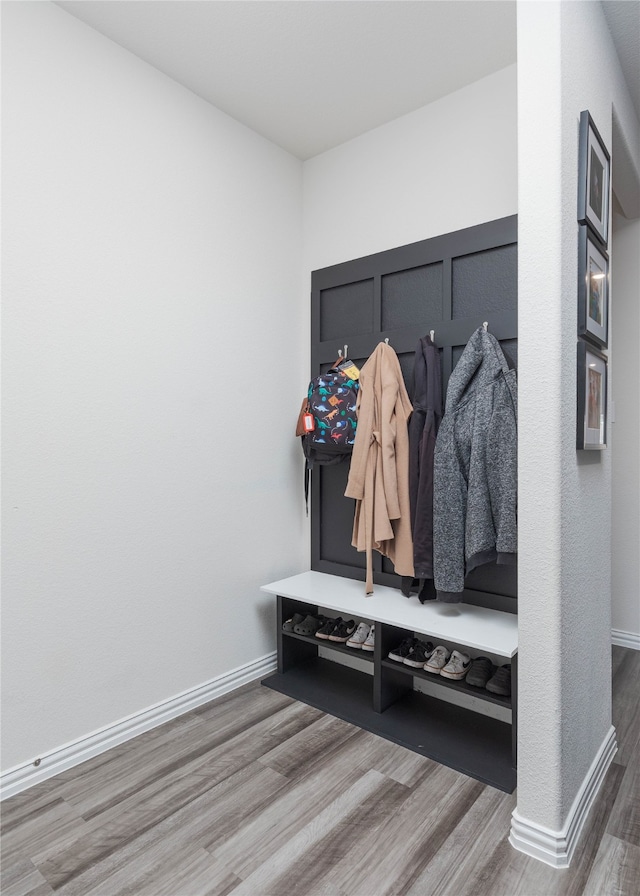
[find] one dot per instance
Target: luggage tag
(348, 368)
(306, 422)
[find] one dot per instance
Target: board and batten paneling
(450, 284)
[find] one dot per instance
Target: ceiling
(311, 74)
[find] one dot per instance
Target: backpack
(327, 421)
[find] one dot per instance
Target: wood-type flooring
(258, 795)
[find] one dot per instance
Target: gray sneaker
(360, 635)
(370, 643)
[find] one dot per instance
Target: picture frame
(592, 399)
(594, 179)
(593, 289)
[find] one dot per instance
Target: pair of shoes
(412, 652)
(402, 651)
(303, 625)
(484, 674)
(419, 655)
(296, 619)
(363, 637)
(337, 629)
(454, 665)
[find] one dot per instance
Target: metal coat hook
(485, 325)
(386, 339)
(342, 353)
(432, 335)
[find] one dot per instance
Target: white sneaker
(437, 660)
(360, 635)
(458, 666)
(369, 644)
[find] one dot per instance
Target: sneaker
(437, 661)
(457, 667)
(309, 625)
(327, 627)
(369, 644)
(419, 655)
(359, 636)
(296, 619)
(480, 671)
(343, 631)
(403, 650)
(501, 681)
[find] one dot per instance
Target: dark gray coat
(475, 467)
(423, 429)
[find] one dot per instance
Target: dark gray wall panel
(486, 281)
(335, 539)
(412, 298)
(346, 310)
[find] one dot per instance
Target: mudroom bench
(379, 694)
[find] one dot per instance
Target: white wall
(564, 497)
(449, 165)
(625, 339)
(151, 289)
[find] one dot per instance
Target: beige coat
(379, 472)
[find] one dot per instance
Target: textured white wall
(564, 497)
(449, 165)
(625, 530)
(151, 286)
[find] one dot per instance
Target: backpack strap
(307, 475)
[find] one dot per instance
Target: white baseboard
(625, 639)
(62, 758)
(556, 848)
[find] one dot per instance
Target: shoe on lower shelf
(457, 667)
(480, 671)
(327, 627)
(438, 660)
(296, 619)
(501, 682)
(360, 635)
(309, 625)
(419, 655)
(370, 643)
(399, 653)
(343, 631)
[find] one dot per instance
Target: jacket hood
(482, 362)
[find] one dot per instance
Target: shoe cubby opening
(395, 636)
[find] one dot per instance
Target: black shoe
(296, 619)
(403, 650)
(309, 625)
(325, 630)
(480, 672)
(343, 631)
(501, 681)
(419, 655)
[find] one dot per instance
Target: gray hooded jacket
(475, 467)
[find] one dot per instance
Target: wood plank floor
(258, 795)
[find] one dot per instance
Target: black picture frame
(591, 432)
(593, 289)
(594, 179)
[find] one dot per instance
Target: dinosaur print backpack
(327, 421)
